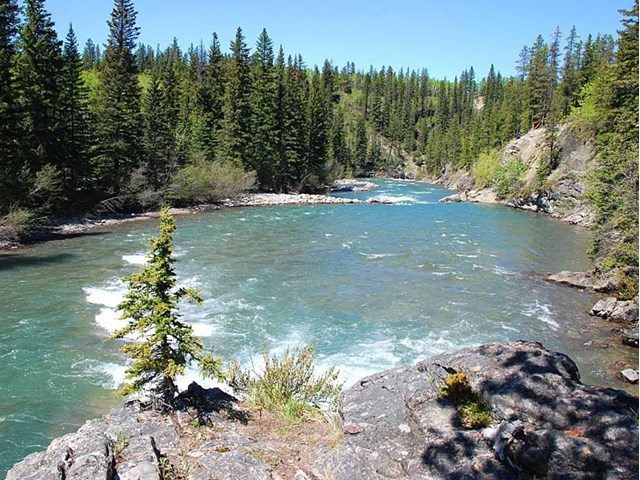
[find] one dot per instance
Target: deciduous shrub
(205, 181)
(288, 385)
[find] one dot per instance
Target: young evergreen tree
(76, 121)
(10, 159)
(119, 121)
(164, 345)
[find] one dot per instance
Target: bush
(485, 168)
(288, 385)
(473, 412)
(205, 181)
(16, 224)
(508, 177)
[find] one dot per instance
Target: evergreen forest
(123, 126)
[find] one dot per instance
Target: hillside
(561, 193)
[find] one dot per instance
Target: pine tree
(614, 183)
(38, 75)
(164, 345)
(237, 113)
(210, 102)
(296, 121)
(318, 121)
(119, 121)
(263, 97)
(76, 120)
(10, 160)
(280, 119)
(157, 140)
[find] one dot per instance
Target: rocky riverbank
(78, 226)
(396, 424)
(561, 195)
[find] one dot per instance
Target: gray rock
(630, 375)
(624, 312)
(603, 308)
(229, 466)
(139, 460)
(546, 422)
(580, 280)
(85, 455)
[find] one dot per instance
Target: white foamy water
(108, 296)
(541, 312)
(374, 256)
(135, 259)
(404, 199)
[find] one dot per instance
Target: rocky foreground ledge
(546, 424)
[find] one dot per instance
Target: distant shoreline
(78, 226)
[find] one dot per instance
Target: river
(372, 286)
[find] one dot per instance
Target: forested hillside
(130, 126)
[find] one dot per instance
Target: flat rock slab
(551, 425)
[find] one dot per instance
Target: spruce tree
(280, 121)
(319, 122)
(76, 120)
(164, 345)
(10, 160)
(237, 113)
(263, 146)
(38, 75)
(119, 119)
(296, 131)
(210, 102)
(157, 141)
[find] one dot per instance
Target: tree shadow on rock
(211, 405)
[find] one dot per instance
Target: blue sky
(446, 37)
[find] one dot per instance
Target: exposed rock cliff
(395, 425)
(561, 195)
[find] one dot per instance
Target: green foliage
(47, 189)
(508, 177)
(485, 168)
(163, 345)
(288, 385)
(610, 112)
(204, 181)
(472, 410)
(118, 126)
(16, 224)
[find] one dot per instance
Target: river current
(372, 286)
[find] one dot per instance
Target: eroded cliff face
(396, 424)
(561, 194)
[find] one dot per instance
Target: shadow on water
(9, 261)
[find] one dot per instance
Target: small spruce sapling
(164, 345)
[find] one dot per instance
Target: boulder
(580, 280)
(603, 308)
(624, 312)
(630, 375)
(546, 423)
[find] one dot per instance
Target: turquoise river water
(372, 286)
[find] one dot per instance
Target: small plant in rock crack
(472, 410)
